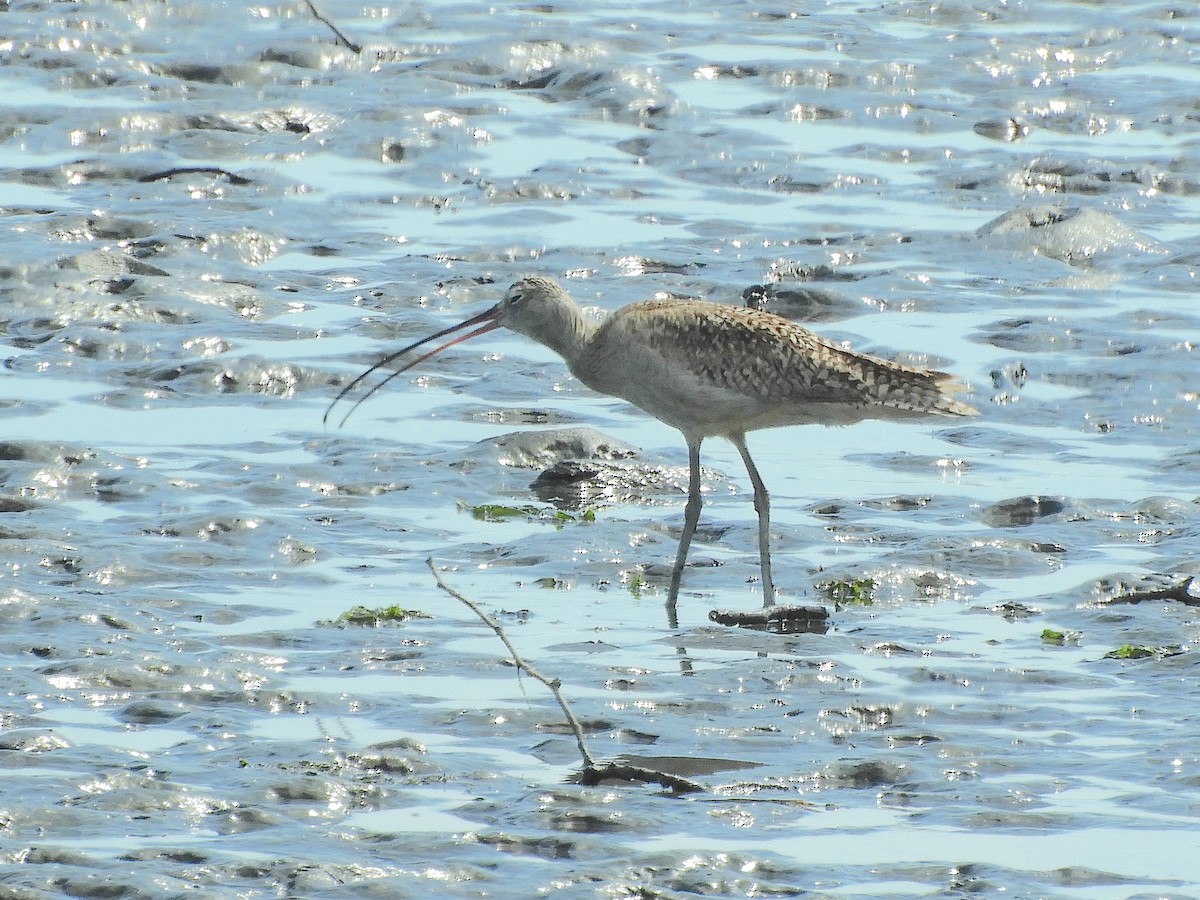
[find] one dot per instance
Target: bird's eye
(515, 297)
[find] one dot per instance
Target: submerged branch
(592, 773)
(786, 619)
(166, 174)
(615, 771)
(1178, 591)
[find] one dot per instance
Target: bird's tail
(946, 403)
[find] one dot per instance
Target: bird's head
(538, 308)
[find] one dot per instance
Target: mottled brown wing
(769, 358)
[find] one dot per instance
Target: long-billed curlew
(707, 370)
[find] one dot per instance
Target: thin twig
(357, 48)
(592, 773)
(520, 663)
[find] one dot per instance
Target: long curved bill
(491, 317)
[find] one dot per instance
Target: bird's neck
(571, 339)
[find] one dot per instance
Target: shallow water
(215, 215)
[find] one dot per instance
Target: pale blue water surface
(214, 215)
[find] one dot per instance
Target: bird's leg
(691, 516)
(762, 506)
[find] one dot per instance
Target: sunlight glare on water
(228, 667)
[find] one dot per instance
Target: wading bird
(708, 370)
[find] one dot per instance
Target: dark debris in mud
(782, 619)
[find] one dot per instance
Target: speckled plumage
(707, 370)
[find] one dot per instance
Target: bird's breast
(699, 402)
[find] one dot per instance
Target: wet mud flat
(227, 667)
